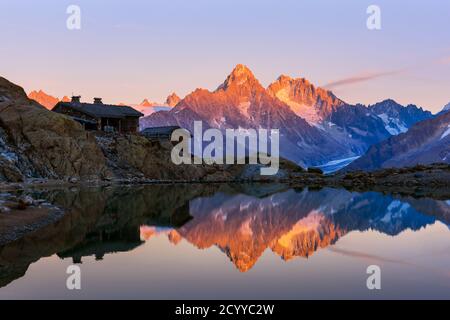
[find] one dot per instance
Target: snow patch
(395, 210)
(446, 133)
(393, 125)
(309, 113)
(149, 110)
(335, 165)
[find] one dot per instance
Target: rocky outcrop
(134, 157)
(43, 144)
(137, 159)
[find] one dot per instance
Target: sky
(129, 50)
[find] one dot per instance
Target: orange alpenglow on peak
(312, 103)
(241, 76)
(65, 99)
(172, 100)
(44, 99)
(146, 103)
(174, 237)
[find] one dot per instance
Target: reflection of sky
(251, 245)
(413, 264)
(130, 50)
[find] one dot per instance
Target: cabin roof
(160, 130)
(102, 110)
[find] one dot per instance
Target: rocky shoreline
(21, 214)
(418, 178)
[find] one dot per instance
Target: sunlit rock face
(307, 101)
(44, 99)
(173, 99)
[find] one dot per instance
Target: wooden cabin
(99, 116)
(162, 133)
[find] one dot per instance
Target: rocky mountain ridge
(425, 142)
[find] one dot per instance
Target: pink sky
(126, 52)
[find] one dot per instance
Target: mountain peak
(240, 76)
(307, 101)
(241, 69)
(43, 98)
(173, 99)
(389, 101)
(284, 78)
(146, 103)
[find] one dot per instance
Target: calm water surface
(238, 241)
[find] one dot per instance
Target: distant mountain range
(146, 107)
(242, 102)
(317, 128)
(45, 99)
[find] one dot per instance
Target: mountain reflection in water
(241, 220)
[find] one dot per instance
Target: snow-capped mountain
(357, 126)
(242, 102)
(397, 118)
(426, 142)
(317, 127)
